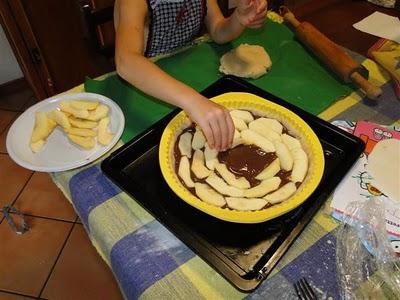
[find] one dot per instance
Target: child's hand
(214, 120)
(251, 13)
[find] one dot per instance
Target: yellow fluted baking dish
(259, 106)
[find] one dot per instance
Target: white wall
(9, 68)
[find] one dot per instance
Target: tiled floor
(55, 258)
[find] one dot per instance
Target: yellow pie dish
(259, 106)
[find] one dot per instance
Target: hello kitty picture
(358, 185)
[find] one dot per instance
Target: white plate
(59, 154)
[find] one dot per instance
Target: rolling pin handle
(372, 91)
(288, 16)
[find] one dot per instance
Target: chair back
(100, 36)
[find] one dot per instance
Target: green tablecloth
(296, 76)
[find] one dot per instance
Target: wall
(9, 68)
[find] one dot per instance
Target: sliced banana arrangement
(84, 122)
(265, 165)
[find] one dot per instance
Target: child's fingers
(255, 26)
(208, 134)
(262, 6)
(224, 133)
(259, 21)
(231, 128)
(227, 130)
(216, 132)
(261, 14)
(245, 4)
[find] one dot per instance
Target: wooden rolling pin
(330, 53)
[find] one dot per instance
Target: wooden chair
(100, 38)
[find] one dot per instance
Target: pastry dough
(249, 61)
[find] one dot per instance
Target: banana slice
(87, 105)
(272, 124)
(300, 165)
(209, 195)
(103, 136)
(198, 139)
(37, 146)
(198, 167)
(184, 171)
(185, 144)
(237, 139)
(86, 142)
(210, 156)
(222, 187)
(42, 128)
(242, 114)
(290, 142)
(52, 124)
(239, 124)
(230, 178)
(80, 123)
(245, 204)
(80, 131)
(282, 194)
(284, 155)
(270, 171)
(262, 129)
(251, 137)
(100, 112)
(265, 187)
(65, 106)
(60, 118)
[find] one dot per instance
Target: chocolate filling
(243, 161)
(247, 161)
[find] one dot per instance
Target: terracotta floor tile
(12, 179)
(41, 197)
(5, 118)
(26, 260)
(7, 296)
(80, 272)
(16, 101)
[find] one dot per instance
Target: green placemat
(296, 76)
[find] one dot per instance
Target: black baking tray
(243, 253)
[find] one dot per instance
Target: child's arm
(131, 64)
(248, 13)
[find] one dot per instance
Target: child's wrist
(192, 102)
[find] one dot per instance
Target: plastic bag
(367, 265)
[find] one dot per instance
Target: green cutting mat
(296, 76)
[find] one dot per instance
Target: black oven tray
(243, 253)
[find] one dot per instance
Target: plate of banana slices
(65, 132)
(275, 162)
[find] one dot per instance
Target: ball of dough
(249, 61)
